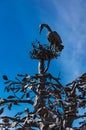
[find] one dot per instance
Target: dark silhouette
(53, 37)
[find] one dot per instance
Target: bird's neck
(48, 28)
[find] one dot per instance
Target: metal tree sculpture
(49, 105)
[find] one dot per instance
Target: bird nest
(43, 51)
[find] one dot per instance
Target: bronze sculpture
(53, 37)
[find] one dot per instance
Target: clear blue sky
(19, 27)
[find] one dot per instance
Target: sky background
(19, 27)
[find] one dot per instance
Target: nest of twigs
(43, 52)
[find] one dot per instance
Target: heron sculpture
(53, 37)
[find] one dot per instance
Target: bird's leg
(50, 46)
(47, 66)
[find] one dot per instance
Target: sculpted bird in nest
(53, 37)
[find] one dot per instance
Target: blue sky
(19, 27)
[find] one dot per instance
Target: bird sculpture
(53, 37)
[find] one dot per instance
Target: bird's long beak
(40, 29)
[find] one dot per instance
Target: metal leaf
(1, 110)
(11, 97)
(14, 124)
(5, 77)
(10, 106)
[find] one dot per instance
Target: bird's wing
(57, 37)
